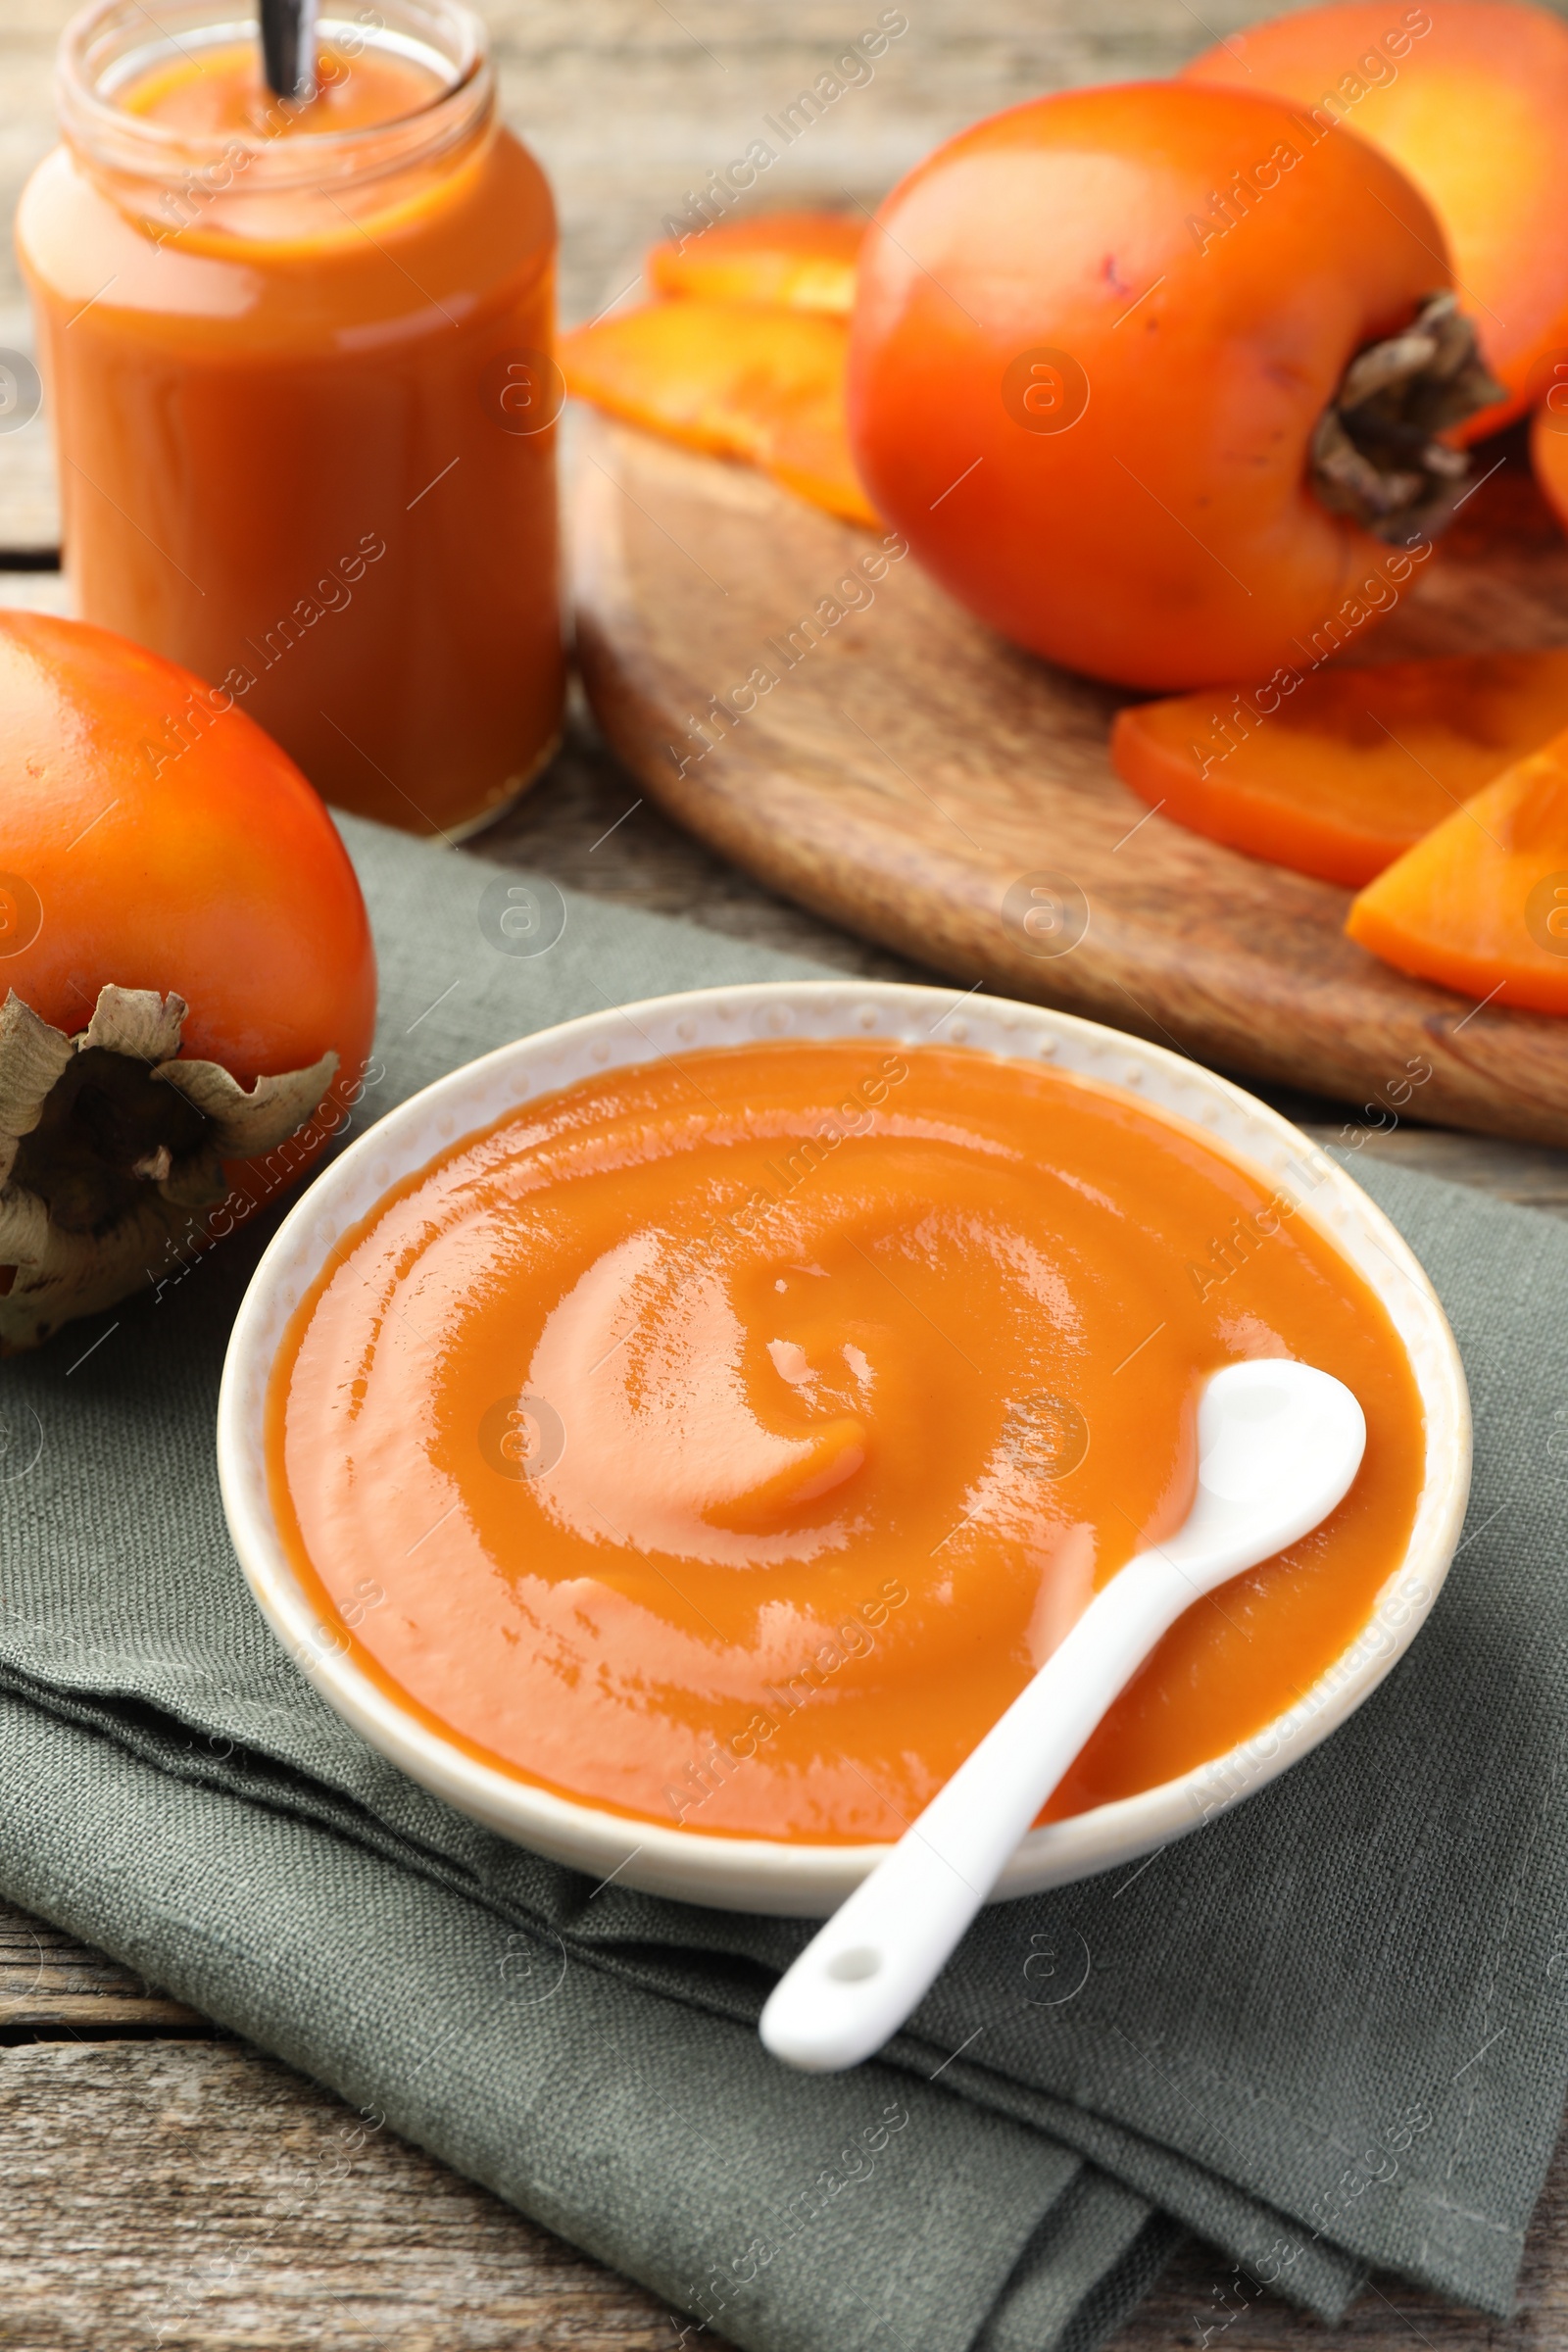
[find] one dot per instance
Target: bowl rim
(723, 1869)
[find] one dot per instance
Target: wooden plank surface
(162, 2185)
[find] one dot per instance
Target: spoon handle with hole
(862, 1973)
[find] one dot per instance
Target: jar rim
(109, 42)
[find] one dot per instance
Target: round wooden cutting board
(922, 783)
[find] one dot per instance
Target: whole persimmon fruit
(1140, 442)
(1470, 98)
(187, 975)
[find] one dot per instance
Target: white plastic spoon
(1278, 1445)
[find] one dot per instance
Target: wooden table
(134, 2134)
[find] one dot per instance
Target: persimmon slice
(1341, 774)
(740, 380)
(799, 261)
(1481, 905)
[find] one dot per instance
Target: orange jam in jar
(298, 351)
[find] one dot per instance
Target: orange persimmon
(1337, 773)
(738, 379)
(1112, 438)
(1470, 98)
(187, 980)
(1481, 905)
(801, 261)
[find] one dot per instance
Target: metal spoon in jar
(1279, 1444)
(288, 47)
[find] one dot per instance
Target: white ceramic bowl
(757, 1874)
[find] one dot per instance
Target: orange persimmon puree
(290, 370)
(725, 1441)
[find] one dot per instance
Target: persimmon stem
(106, 1130)
(1376, 455)
(113, 1144)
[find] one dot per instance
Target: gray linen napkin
(1328, 2031)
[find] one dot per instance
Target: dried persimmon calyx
(1376, 455)
(108, 1141)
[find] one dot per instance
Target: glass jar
(298, 358)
